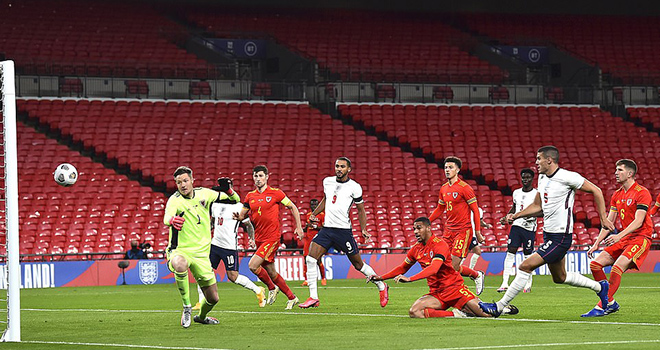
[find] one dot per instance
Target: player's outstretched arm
(437, 211)
(401, 269)
(599, 201)
(240, 216)
(249, 228)
(533, 210)
(601, 235)
(503, 220)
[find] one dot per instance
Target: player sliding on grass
(555, 200)
(446, 288)
(628, 248)
(340, 194)
(187, 214)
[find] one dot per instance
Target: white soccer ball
(66, 175)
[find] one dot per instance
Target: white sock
(368, 271)
(576, 280)
(516, 287)
(201, 294)
(312, 275)
(473, 260)
(509, 260)
(247, 284)
(529, 282)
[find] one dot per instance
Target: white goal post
(12, 332)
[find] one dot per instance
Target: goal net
(9, 252)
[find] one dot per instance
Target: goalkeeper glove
(225, 185)
(177, 222)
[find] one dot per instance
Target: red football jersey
(265, 213)
(457, 198)
(626, 203)
(311, 232)
(446, 280)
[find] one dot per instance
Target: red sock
(468, 272)
(322, 269)
(437, 313)
(615, 281)
(283, 287)
(263, 276)
(304, 269)
(597, 271)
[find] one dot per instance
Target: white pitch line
(119, 345)
(512, 346)
(503, 319)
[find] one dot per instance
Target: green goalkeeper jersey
(195, 236)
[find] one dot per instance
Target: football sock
(206, 307)
(576, 280)
(516, 287)
(181, 279)
(615, 281)
(507, 270)
(322, 269)
(529, 281)
(368, 271)
(265, 278)
(473, 260)
(200, 294)
(597, 271)
(468, 272)
(284, 287)
(437, 313)
(246, 283)
(311, 277)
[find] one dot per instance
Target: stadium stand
(496, 153)
(362, 46)
(100, 214)
(625, 47)
(77, 37)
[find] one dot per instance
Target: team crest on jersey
(455, 195)
(431, 255)
(629, 201)
(148, 271)
(268, 199)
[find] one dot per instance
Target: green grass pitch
(147, 317)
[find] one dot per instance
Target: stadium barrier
(154, 271)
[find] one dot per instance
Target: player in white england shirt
(340, 193)
(224, 244)
(555, 201)
(523, 230)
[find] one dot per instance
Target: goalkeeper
(187, 214)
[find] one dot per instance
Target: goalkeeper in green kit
(187, 214)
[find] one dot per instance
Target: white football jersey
(522, 200)
(339, 198)
(225, 228)
(557, 198)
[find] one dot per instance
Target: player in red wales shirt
(656, 206)
(446, 288)
(628, 248)
(457, 198)
(263, 206)
(312, 227)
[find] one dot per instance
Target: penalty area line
(513, 346)
(118, 345)
(302, 313)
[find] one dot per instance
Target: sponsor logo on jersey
(148, 271)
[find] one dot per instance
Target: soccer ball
(66, 175)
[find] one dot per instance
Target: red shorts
(267, 250)
(636, 249)
(458, 241)
(456, 299)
